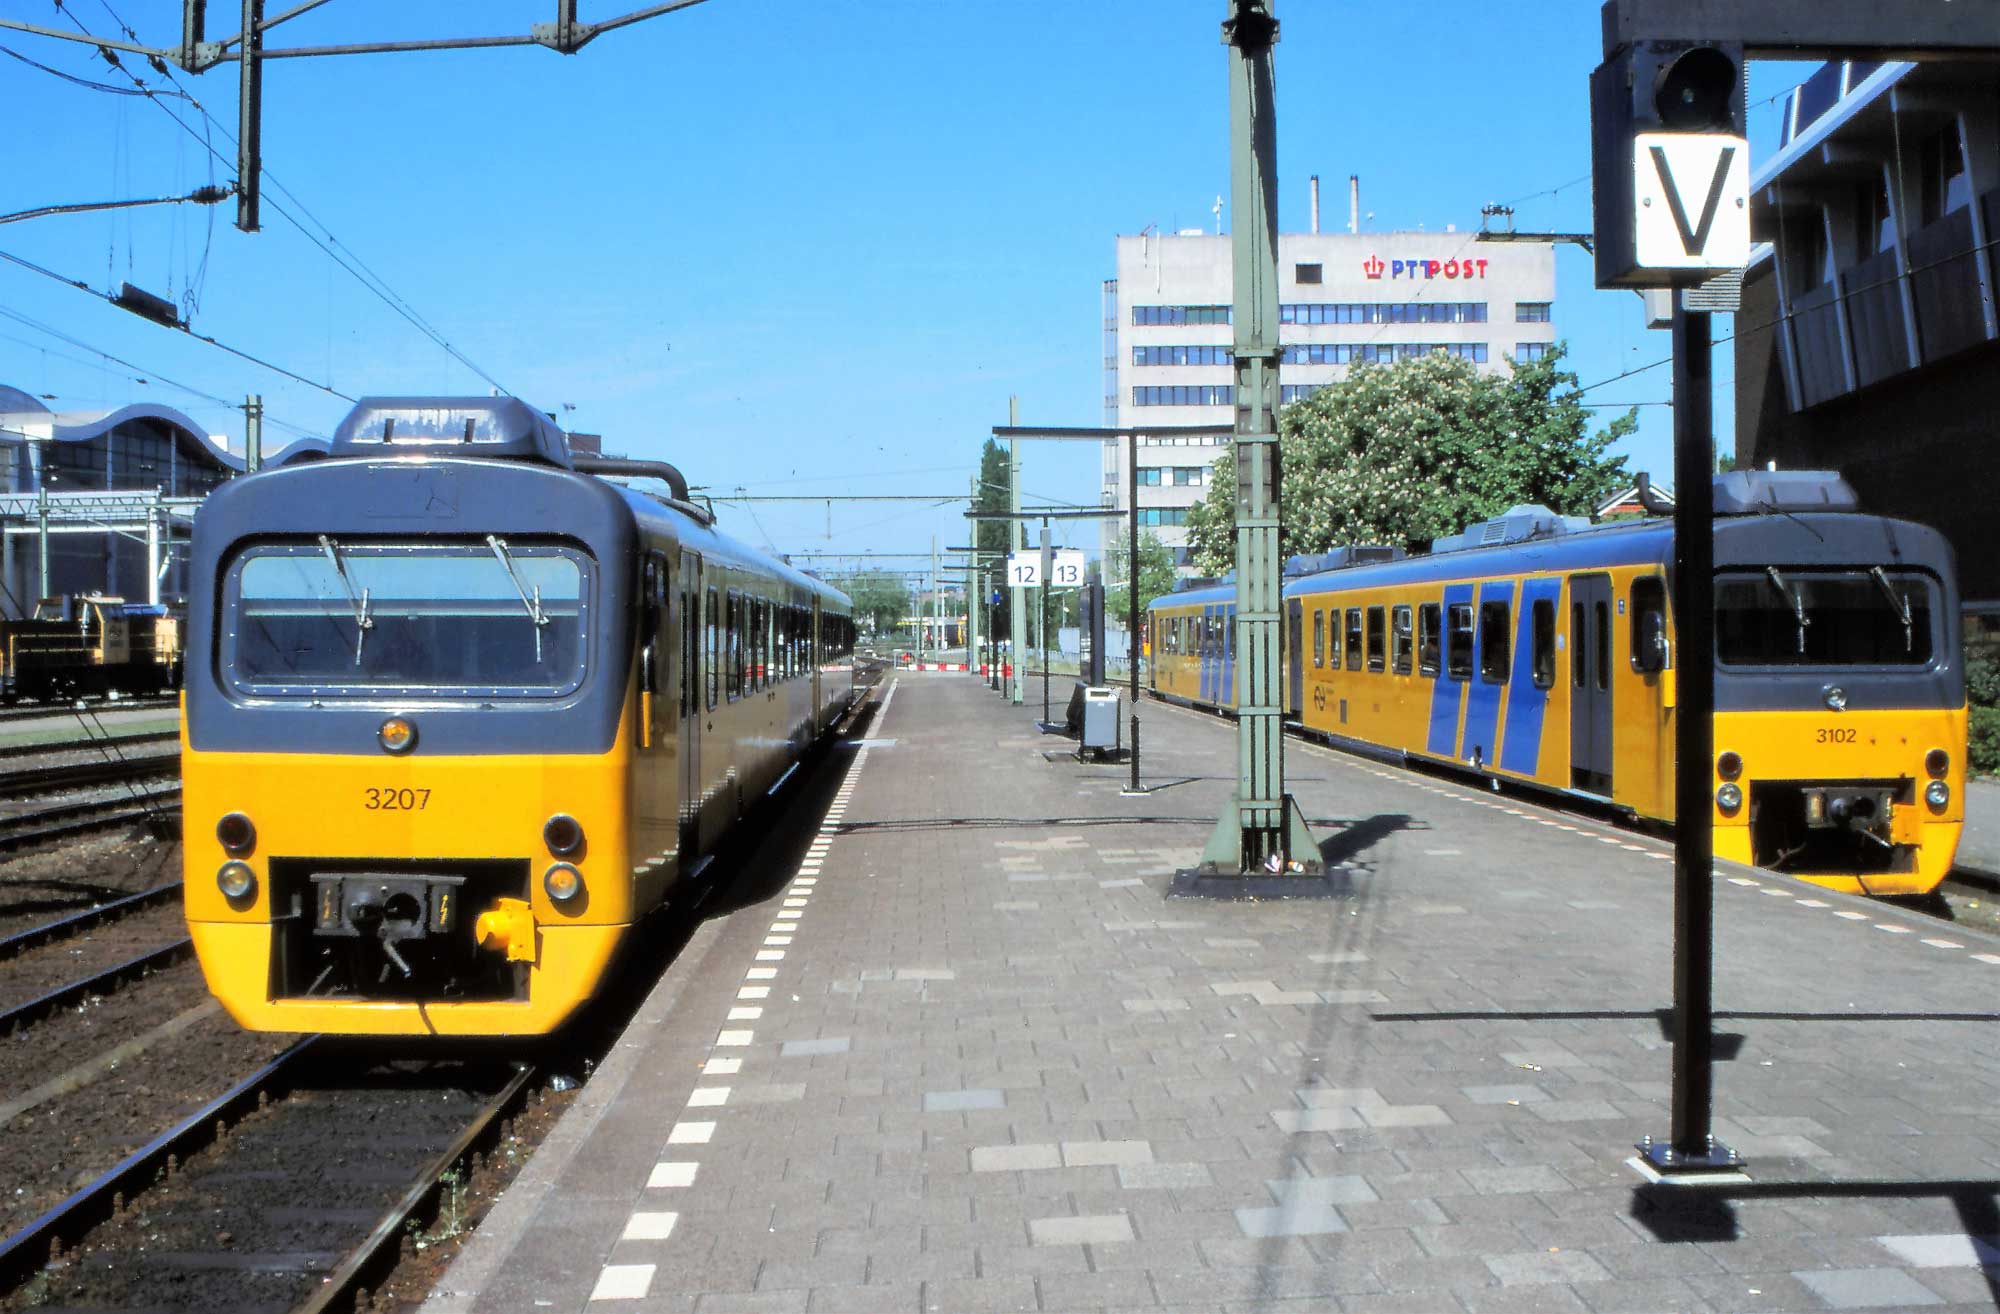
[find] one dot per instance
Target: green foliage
(1983, 741)
(881, 600)
(1405, 453)
(1982, 677)
(992, 495)
(1156, 572)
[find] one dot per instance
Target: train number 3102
(396, 800)
(1832, 735)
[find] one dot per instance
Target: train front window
(1854, 617)
(493, 618)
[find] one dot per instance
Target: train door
(690, 687)
(1295, 659)
(1590, 683)
(818, 651)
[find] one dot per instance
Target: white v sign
(1692, 193)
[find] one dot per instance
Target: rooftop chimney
(1353, 202)
(1315, 196)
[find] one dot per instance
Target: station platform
(967, 1056)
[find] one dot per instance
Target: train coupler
(391, 910)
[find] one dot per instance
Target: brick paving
(969, 1058)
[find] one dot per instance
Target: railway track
(72, 924)
(45, 710)
(26, 1014)
(212, 1211)
(83, 775)
(155, 806)
(90, 744)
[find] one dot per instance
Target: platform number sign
(1024, 570)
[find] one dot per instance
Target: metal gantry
(1263, 832)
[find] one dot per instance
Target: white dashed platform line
(650, 1226)
(691, 1133)
(1987, 958)
(708, 1097)
(1847, 915)
(1944, 944)
(671, 1175)
(722, 1067)
(623, 1282)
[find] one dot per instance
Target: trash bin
(1102, 725)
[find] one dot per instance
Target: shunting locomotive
(461, 710)
(1541, 651)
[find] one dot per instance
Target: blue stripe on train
(1527, 706)
(1482, 709)
(1446, 692)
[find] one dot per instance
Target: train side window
(1458, 640)
(1542, 627)
(1377, 640)
(714, 614)
(1495, 629)
(1399, 640)
(1578, 675)
(1603, 637)
(732, 646)
(1353, 641)
(1649, 624)
(1427, 638)
(1319, 639)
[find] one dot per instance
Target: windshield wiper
(363, 622)
(1798, 600)
(1900, 601)
(533, 602)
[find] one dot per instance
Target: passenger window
(1542, 621)
(732, 650)
(1577, 637)
(1427, 639)
(1458, 642)
(1353, 638)
(1376, 639)
(1319, 639)
(1649, 624)
(1603, 637)
(714, 645)
(1494, 641)
(1399, 640)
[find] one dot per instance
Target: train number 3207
(396, 800)
(1834, 735)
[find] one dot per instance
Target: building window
(1306, 274)
(1383, 312)
(1163, 515)
(1531, 312)
(1190, 355)
(1874, 224)
(1149, 476)
(1189, 476)
(1171, 316)
(1185, 394)
(1525, 352)
(1379, 353)
(1946, 186)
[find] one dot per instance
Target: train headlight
(236, 835)
(397, 735)
(1729, 797)
(562, 881)
(1937, 762)
(1937, 794)
(563, 834)
(236, 880)
(1729, 766)
(1815, 807)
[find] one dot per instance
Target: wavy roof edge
(39, 423)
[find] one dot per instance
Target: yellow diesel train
(1541, 652)
(460, 710)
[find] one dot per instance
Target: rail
(98, 983)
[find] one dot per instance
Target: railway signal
(1670, 166)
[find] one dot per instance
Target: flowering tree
(1404, 453)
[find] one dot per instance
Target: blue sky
(798, 248)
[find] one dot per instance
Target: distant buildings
(126, 461)
(1345, 298)
(1868, 336)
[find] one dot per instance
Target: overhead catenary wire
(359, 269)
(217, 343)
